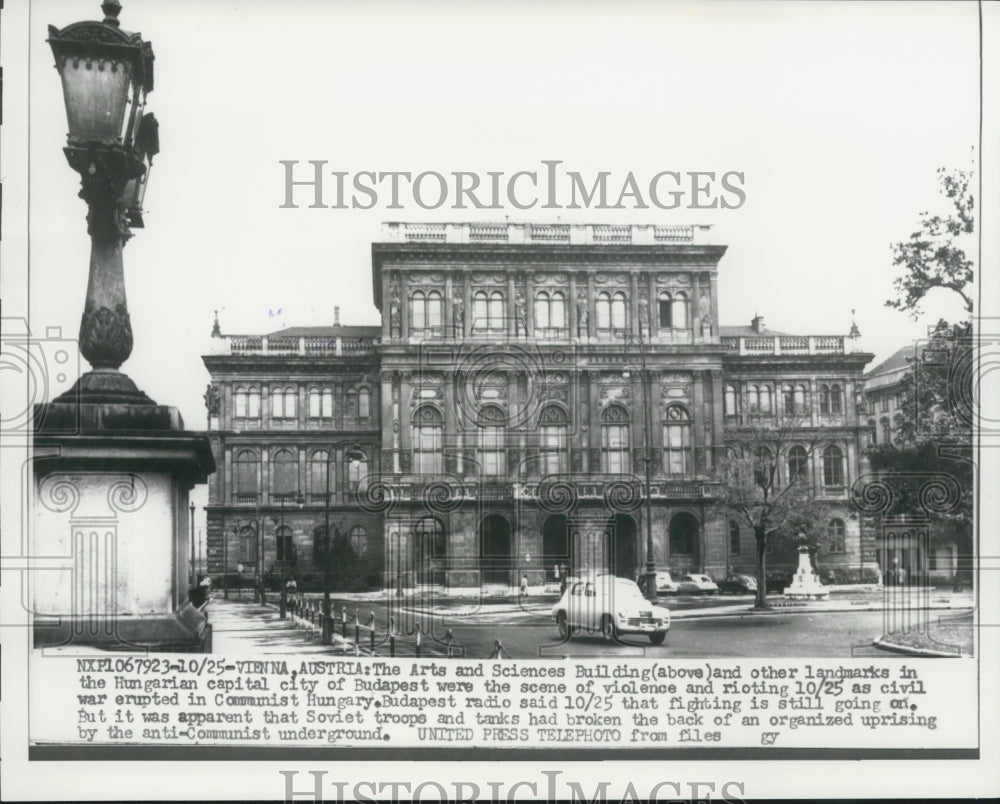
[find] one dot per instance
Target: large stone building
(498, 423)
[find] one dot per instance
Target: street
(530, 632)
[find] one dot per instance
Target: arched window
(835, 533)
(680, 311)
(248, 544)
(619, 311)
(364, 404)
(320, 403)
(356, 470)
(240, 403)
(734, 537)
(284, 473)
(359, 540)
(247, 473)
(553, 428)
(614, 440)
(541, 311)
(731, 401)
(430, 540)
(753, 399)
(550, 314)
(480, 311)
(798, 464)
(491, 423)
(284, 544)
(283, 402)
(496, 318)
(247, 403)
(886, 429)
(788, 399)
(318, 463)
(836, 399)
(425, 312)
(488, 311)
(426, 430)
(824, 398)
(833, 467)
(557, 310)
(765, 399)
(683, 533)
(665, 310)
(603, 306)
(676, 441)
(418, 312)
(800, 399)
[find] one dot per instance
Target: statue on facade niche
(521, 318)
(581, 311)
(643, 313)
(394, 315)
(458, 313)
(212, 400)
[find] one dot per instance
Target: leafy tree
(932, 436)
(933, 257)
(336, 557)
(758, 492)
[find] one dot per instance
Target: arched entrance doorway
(495, 549)
(556, 548)
(685, 545)
(621, 551)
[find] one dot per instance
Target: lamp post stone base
(111, 485)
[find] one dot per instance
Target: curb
(891, 647)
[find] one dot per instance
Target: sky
(838, 115)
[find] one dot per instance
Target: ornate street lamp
(105, 428)
(106, 74)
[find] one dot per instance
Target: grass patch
(949, 635)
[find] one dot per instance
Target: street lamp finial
(111, 9)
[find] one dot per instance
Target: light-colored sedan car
(611, 606)
(665, 585)
(696, 584)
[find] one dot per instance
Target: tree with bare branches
(756, 490)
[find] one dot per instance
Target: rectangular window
(553, 458)
(491, 453)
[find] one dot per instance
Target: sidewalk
(242, 627)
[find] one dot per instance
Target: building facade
(526, 384)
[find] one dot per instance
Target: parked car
(665, 585)
(611, 606)
(736, 583)
(697, 585)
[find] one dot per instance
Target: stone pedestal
(111, 485)
(805, 585)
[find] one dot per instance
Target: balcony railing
(784, 345)
(551, 233)
(333, 346)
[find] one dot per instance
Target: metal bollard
(343, 622)
(418, 641)
(371, 637)
(357, 628)
(392, 637)
(449, 637)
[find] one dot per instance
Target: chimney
(757, 323)
(336, 316)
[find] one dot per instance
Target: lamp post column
(647, 436)
(193, 577)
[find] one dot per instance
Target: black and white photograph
(403, 397)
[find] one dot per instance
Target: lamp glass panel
(96, 97)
